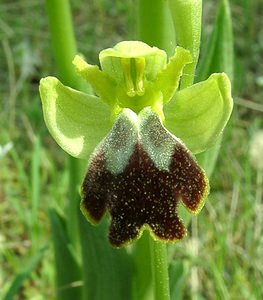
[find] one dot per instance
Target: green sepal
(77, 121)
(198, 114)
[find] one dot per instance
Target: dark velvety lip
(143, 196)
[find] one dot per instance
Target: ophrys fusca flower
(140, 135)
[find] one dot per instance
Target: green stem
(160, 270)
(155, 29)
(64, 46)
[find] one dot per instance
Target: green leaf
(198, 114)
(76, 121)
(19, 279)
(68, 272)
(218, 55)
(107, 271)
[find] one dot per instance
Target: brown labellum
(142, 195)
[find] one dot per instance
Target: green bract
(125, 124)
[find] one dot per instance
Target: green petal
(198, 114)
(101, 83)
(76, 121)
(168, 80)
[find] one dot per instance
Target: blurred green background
(225, 261)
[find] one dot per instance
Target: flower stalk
(160, 270)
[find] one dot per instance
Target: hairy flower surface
(139, 135)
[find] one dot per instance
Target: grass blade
(35, 180)
(25, 274)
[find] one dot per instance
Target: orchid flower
(140, 135)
